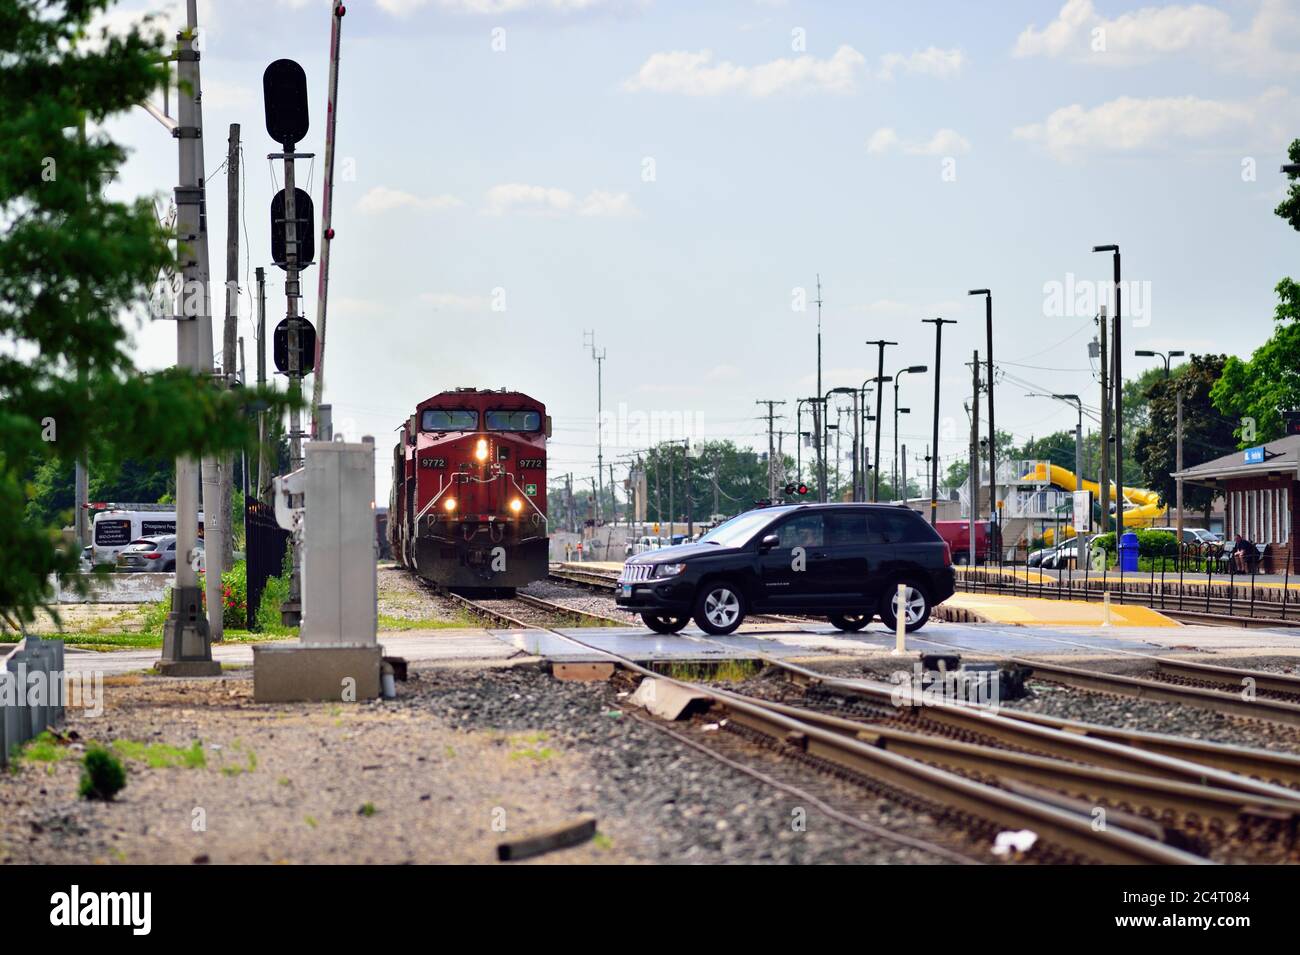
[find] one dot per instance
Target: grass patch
(367, 810)
(724, 671)
(389, 622)
(529, 746)
(45, 748)
(161, 755)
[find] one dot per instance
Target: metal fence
(29, 707)
(1194, 580)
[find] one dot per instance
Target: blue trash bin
(1128, 551)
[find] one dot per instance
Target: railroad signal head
(284, 96)
(306, 346)
(304, 214)
(796, 489)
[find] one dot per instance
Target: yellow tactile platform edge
(1045, 612)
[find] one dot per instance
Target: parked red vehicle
(957, 534)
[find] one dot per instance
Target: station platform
(1045, 611)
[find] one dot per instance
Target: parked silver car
(152, 554)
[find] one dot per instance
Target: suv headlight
(668, 570)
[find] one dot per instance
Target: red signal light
(803, 489)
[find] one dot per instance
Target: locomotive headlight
(449, 505)
(481, 449)
(516, 505)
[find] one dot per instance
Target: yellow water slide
(1142, 508)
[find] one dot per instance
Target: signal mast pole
(326, 215)
(599, 358)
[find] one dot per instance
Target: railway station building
(1259, 487)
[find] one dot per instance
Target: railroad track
(526, 612)
(1067, 833)
(1165, 799)
(1196, 692)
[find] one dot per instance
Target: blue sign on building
(1254, 455)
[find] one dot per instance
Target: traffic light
(796, 489)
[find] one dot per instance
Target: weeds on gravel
(44, 748)
(367, 810)
(102, 774)
(724, 671)
(161, 755)
(530, 747)
(463, 621)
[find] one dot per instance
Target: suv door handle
(821, 555)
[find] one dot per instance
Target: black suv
(841, 560)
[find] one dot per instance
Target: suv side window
(847, 528)
(899, 526)
(803, 530)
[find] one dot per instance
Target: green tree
(75, 268)
(1206, 433)
(1255, 392)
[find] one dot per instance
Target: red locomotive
(468, 504)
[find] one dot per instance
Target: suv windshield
(738, 530)
(445, 419)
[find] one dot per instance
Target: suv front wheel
(662, 623)
(719, 608)
(916, 606)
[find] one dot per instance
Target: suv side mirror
(768, 542)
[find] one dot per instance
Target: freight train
(468, 506)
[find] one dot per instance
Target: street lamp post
(860, 493)
(1117, 386)
(826, 428)
(913, 370)
(938, 324)
(1144, 353)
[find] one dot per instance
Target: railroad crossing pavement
(473, 646)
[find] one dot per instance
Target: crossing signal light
(796, 489)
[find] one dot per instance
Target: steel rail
(1064, 739)
(1276, 711)
(1226, 807)
(1231, 676)
(1057, 826)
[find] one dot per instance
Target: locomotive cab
(469, 490)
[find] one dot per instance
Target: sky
(673, 177)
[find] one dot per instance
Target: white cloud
(1079, 32)
(1130, 124)
(548, 200)
(945, 142)
(381, 199)
(928, 62)
(696, 74)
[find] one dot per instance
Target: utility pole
(1104, 482)
(672, 514)
(187, 649)
(771, 447)
(613, 498)
(974, 475)
(994, 517)
(1117, 389)
(326, 214)
(690, 498)
(880, 389)
(229, 342)
(243, 455)
(1178, 458)
(903, 464)
(938, 324)
(821, 451)
(263, 472)
(589, 341)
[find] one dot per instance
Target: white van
(114, 526)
